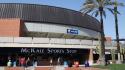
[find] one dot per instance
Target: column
(91, 57)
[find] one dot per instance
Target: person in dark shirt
(69, 63)
(86, 63)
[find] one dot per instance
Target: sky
(109, 26)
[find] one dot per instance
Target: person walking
(86, 63)
(9, 63)
(22, 61)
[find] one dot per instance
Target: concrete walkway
(52, 68)
(1, 68)
(83, 68)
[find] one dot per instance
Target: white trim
(45, 45)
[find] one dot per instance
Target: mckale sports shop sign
(48, 50)
(42, 50)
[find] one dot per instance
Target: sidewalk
(83, 68)
(50, 68)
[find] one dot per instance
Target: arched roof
(49, 14)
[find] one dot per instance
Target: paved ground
(50, 68)
(83, 68)
(1, 68)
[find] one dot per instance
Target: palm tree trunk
(113, 55)
(102, 57)
(117, 34)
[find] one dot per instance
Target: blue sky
(76, 5)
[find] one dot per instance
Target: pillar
(91, 57)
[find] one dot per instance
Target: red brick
(10, 27)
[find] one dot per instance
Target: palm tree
(113, 55)
(98, 7)
(116, 28)
(122, 52)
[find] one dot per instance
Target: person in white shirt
(9, 63)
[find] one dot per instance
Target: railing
(39, 40)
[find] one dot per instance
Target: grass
(117, 67)
(102, 67)
(112, 67)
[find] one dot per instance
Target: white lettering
(24, 50)
(32, 50)
(71, 51)
(49, 50)
(55, 50)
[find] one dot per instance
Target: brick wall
(10, 27)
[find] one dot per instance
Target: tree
(115, 12)
(122, 52)
(116, 28)
(113, 55)
(98, 7)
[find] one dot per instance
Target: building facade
(47, 32)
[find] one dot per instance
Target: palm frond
(87, 11)
(90, 10)
(111, 3)
(111, 10)
(118, 12)
(90, 6)
(93, 6)
(120, 4)
(88, 2)
(104, 13)
(95, 13)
